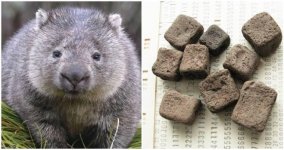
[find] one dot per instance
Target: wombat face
(77, 53)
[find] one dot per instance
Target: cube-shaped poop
(254, 105)
(215, 39)
(263, 33)
(241, 62)
(219, 90)
(184, 30)
(195, 61)
(178, 107)
(167, 64)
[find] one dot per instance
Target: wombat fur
(70, 74)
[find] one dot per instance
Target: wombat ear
(115, 21)
(41, 18)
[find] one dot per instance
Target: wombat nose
(75, 74)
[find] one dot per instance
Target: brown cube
(254, 105)
(195, 61)
(241, 62)
(263, 33)
(184, 30)
(167, 64)
(178, 107)
(219, 90)
(215, 39)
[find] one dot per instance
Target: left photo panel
(71, 75)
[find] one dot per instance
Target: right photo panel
(212, 74)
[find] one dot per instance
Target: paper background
(210, 130)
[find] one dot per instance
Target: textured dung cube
(263, 33)
(184, 30)
(254, 105)
(179, 107)
(167, 64)
(195, 61)
(215, 39)
(241, 62)
(219, 90)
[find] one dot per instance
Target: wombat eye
(56, 54)
(96, 56)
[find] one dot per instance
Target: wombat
(73, 73)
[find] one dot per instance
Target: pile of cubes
(191, 59)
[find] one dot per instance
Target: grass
(136, 141)
(16, 135)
